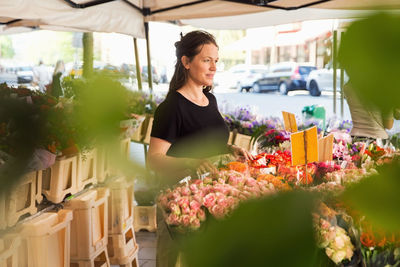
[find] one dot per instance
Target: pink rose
(163, 200)
(185, 191)
(197, 182)
(198, 197)
(209, 200)
(185, 220)
(251, 182)
(195, 224)
(173, 206)
(217, 211)
(176, 194)
(173, 219)
(194, 205)
(201, 215)
(194, 188)
(185, 209)
(183, 201)
(193, 214)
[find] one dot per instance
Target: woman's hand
(241, 152)
(201, 166)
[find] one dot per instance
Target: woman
(187, 126)
(368, 122)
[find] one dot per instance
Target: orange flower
(237, 166)
(266, 177)
(382, 242)
(367, 239)
(275, 180)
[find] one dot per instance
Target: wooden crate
(3, 221)
(87, 169)
(121, 246)
(100, 259)
(103, 165)
(147, 136)
(9, 250)
(46, 240)
(137, 135)
(120, 205)
(59, 180)
(21, 199)
(125, 148)
(145, 218)
(231, 137)
(243, 141)
(131, 261)
(89, 228)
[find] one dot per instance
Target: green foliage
(100, 106)
(377, 197)
(141, 103)
(369, 52)
(275, 231)
(6, 47)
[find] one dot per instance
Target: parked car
(154, 74)
(24, 74)
(322, 80)
(240, 77)
(285, 77)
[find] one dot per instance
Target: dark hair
(190, 45)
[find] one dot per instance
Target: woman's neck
(194, 93)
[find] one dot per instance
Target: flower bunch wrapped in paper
(186, 205)
(331, 237)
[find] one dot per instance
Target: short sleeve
(166, 122)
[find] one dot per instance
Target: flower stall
(341, 233)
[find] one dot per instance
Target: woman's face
(202, 68)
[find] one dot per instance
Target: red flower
(367, 239)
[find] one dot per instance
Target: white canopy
(114, 16)
(128, 16)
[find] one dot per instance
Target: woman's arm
(171, 167)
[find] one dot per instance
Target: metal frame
(148, 12)
(265, 3)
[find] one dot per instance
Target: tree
(6, 47)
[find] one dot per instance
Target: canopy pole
(341, 84)
(138, 73)
(334, 57)
(149, 67)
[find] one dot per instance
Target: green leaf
(378, 197)
(275, 231)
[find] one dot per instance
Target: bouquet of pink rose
(186, 205)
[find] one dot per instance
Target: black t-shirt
(193, 131)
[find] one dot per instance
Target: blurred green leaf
(101, 106)
(275, 231)
(370, 54)
(378, 197)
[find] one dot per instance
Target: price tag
(290, 121)
(325, 148)
(304, 146)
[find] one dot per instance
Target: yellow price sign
(304, 146)
(325, 148)
(289, 121)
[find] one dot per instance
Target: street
(271, 103)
